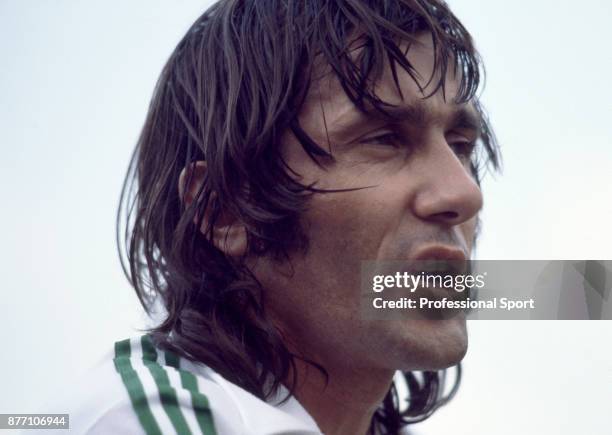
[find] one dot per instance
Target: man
(286, 143)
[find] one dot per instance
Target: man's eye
(389, 138)
(462, 149)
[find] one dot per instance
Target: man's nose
(447, 192)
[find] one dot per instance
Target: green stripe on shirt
(134, 387)
(198, 400)
(167, 394)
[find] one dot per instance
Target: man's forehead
(419, 52)
(405, 95)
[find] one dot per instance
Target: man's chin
(435, 344)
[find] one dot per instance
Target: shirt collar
(271, 417)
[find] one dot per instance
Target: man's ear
(229, 234)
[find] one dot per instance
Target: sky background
(75, 83)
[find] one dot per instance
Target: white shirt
(137, 389)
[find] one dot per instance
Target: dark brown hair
(233, 85)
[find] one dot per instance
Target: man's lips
(440, 252)
(440, 259)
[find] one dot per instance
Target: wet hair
(234, 84)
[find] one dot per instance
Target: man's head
(410, 191)
(286, 143)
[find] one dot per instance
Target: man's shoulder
(137, 388)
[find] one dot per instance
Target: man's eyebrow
(464, 117)
(467, 118)
(414, 114)
(461, 117)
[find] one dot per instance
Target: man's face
(422, 201)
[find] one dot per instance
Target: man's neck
(347, 403)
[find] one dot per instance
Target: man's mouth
(440, 252)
